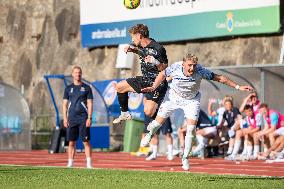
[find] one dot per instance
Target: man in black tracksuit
(77, 115)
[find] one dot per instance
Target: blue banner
(108, 91)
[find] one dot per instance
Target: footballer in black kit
(150, 71)
(153, 59)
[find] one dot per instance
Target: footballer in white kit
(184, 94)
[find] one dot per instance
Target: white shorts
(190, 107)
(280, 131)
(210, 130)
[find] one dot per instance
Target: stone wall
(43, 37)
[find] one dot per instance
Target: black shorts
(78, 130)
(140, 82)
(166, 128)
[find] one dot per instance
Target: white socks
(255, 150)
(265, 149)
(188, 140)
(230, 150)
(249, 150)
(154, 150)
(88, 159)
(89, 162)
(236, 147)
(170, 149)
(70, 163)
(153, 127)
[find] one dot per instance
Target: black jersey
(77, 96)
(203, 120)
(150, 71)
(230, 116)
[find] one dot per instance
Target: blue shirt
(77, 96)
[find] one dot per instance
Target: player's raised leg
(152, 128)
(164, 112)
(122, 93)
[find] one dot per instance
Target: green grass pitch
(43, 177)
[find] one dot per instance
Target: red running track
(120, 160)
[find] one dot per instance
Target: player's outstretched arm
(132, 49)
(227, 81)
(159, 79)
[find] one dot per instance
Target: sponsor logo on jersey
(82, 89)
(156, 94)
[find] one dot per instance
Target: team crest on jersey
(152, 52)
(82, 89)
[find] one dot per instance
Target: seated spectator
(272, 121)
(248, 126)
(215, 115)
(279, 130)
(275, 151)
(251, 99)
(230, 115)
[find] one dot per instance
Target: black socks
(123, 101)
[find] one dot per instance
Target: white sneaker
(185, 164)
(151, 157)
(123, 117)
(230, 158)
(240, 157)
(252, 157)
(69, 165)
(89, 166)
(146, 140)
(170, 157)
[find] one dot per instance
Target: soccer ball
(131, 4)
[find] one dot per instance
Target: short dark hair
(247, 107)
(139, 28)
(263, 105)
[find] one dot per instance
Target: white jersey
(187, 86)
